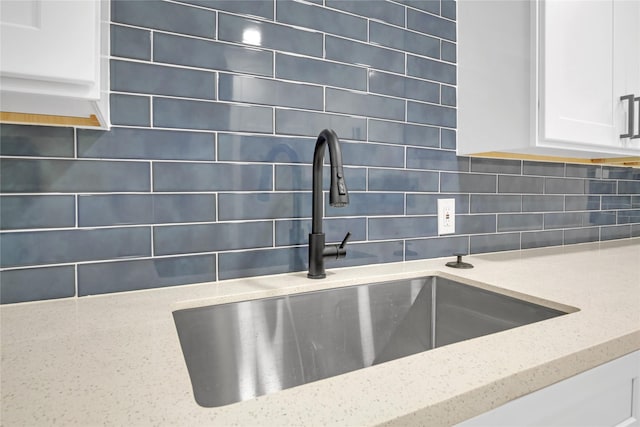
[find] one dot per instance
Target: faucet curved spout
(338, 196)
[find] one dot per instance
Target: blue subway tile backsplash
(205, 174)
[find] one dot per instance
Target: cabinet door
(49, 40)
(576, 73)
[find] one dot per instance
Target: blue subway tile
(256, 90)
(629, 216)
(425, 158)
(402, 180)
(119, 209)
(403, 133)
(403, 40)
(233, 207)
(257, 8)
(520, 184)
(448, 52)
(448, 9)
(59, 247)
(431, 6)
(23, 212)
(265, 148)
(352, 52)
(170, 177)
(494, 243)
(369, 204)
(34, 284)
(448, 139)
(431, 114)
(542, 168)
(268, 35)
(321, 19)
(583, 171)
(402, 227)
(373, 155)
(130, 110)
(299, 177)
(613, 172)
(635, 230)
(127, 143)
(160, 15)
(431, 70)
(182, 239)
(563, 220)
(582, 203)
(599, 218)
(581, 235)
(186, 114)
(363, 104)
(539, 239)
(501, 166)
(152, 79)
(617, 202)
(72, 176)
(369, 253)
(467, 183)
(305, 123)
(427, 204)
(520, 222)
(213, 55)
(375, 9)
(629, 187)
(448, 95)
(595, 186)
(635, 201)
(432, 25)
(615, 232)
(436, 247)
(130, 42)
(542, 203)
(564, 186)
(475, 224)
(495, 203)
(296, 231)
(120, 276)
(233, 265)
(403, 87)
(317, 71)
(45, 141)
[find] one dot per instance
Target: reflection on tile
(305, 123)
(431, 114)
(45, 141)
(211, 177)
(629, 216)
(583, 171)
(181, 113)
(199, 53)
(130, 42)
(486, 203)
(309, 70)
(118, 209)
(427, 204)
(254, 90)
(401, 39)
(520, 222)
(467, 183)
(184, 239)
(160, 80)
(494, 243)
(593, 186)
(360, 104)
(342, 50)
(431, 70)
(265, 148)
(167, 16)
(321, 19)
(58, 247)
(232, 265)
(34, 284)
(263, 206)
(402, 227)
(538, 239)
(403, 133)
(22, 212)
(436, 248)
(581, 235)
(402, 180)
(124, 143)
(130, 110)
(72, 176)
(424, 158)
(403, 87)
(375, 9)
(265, 34)
(102, 278)
(616, 202)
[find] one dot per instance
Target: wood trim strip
(614, 161)
(44, 119)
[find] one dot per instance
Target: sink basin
(241, 350)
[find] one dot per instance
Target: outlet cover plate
(446, 216)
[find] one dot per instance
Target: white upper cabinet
(54, 62)
(549, 77)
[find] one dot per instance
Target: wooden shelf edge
(44, 119)
(612, 161)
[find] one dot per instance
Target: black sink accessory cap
(458, 262)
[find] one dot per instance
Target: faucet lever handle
(344, 241)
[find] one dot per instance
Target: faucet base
(316, 259)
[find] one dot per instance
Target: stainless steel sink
(241, 350)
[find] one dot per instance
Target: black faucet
(338, 197)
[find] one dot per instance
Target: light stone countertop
(116, 359)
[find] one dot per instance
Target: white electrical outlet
(446, 216)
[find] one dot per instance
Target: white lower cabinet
(608, 395)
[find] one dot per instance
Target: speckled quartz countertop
(116, 359)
